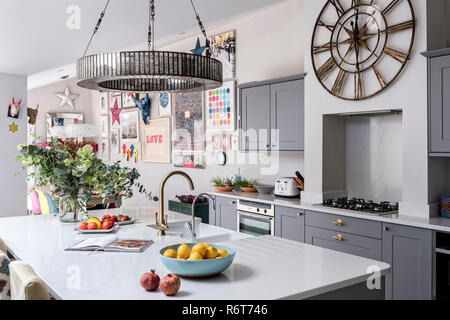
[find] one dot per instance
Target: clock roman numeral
(396, 55)
(323, 48)
(339, 83)
(338, 6)
(380, 78)
(322, 24)
(358, 86)
(325, 69)
(391, 5)
(400, 27)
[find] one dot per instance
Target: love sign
(156, 141)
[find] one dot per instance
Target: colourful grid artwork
(220, 108)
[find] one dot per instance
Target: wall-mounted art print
(67, 98)
(103, 149)
(127, 99)
(104, 126)
(104, 102)
(129, 126)
(220, 108)
(223, 47)
(156, 141)
(221, 141)
(14, 109)
(115, 141)
(188, 122)
(193, 160)
(165, 104)
(115, 112)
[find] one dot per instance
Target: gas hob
(361, 205)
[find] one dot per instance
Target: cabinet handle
(233, 202)
(338, 237)
(386, 228)
(338, 222)
(300, 214)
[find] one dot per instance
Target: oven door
(443, 275)
(255, 224)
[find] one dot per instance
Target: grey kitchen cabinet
(344, 242)
(290, 223)
(439, 102)
(255, 114)
(272, 115)
(226, 213)
(409, 252)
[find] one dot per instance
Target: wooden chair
(25, 284)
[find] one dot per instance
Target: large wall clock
(359, 48)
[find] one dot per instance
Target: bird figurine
(144, 106)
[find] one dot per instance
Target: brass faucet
(161, 223)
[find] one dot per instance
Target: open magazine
(110, 243)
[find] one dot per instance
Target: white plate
(123, 223)
(113, 229)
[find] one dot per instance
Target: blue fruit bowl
(197, 268)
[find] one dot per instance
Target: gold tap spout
(162, 221)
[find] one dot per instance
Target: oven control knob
(257, 210)
(265, 211)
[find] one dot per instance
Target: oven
(255, 218)
(442, 266)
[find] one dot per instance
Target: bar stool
(25, 284)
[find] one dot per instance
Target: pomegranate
(150, 281)
(170, 284)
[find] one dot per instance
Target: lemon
(195, 256)
(211, 253)
(170, 253)
(183, 251)
(222, 253)
(99, 224)
(200, 248)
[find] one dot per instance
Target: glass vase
(72, 209)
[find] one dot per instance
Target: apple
(107, 224)
(84, 225)
(149, 281)
(170, 284)
(106, 216)
(92, 226)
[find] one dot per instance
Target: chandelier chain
(200, 23)
(97, 26)
(151, 26)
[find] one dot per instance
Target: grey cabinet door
(226, 213)
(288, 115)
(344, 242)
(409, 252)
(290, 223)
(255, 116)
(439, 109)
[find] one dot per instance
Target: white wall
(408, 93)
(270, 44)
(12, 188)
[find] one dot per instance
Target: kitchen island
(264, 267)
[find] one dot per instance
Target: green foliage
(74, 170)
(218, 182)
(245, 183)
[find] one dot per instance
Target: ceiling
(35, 37)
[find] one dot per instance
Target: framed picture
(221, 108)
(103, 149)
(223, 47)
(165, 104)
(104, 126)
(115, 141)
(104, 102)
(156, 141)
(127, 99)
(129, 126)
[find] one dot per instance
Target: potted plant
(75, 174)
(246, 185)
(222, 185)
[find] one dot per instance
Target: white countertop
(264, 267)
(437, 223)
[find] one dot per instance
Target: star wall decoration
(115, 111)
(67, 98)
(198, 50)
(13, 127)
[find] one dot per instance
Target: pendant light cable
(151, 26)
(97, 26)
